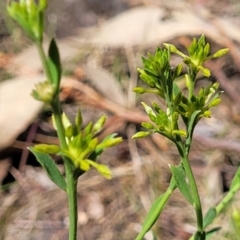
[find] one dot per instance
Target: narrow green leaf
(178, 70)
(150, 72)
(53, 53)
(179, 175)
(206, 49)
(209, 217)
(236, 179)
(178, 97)
(211, 232)
(97, 127)
(88, 129)
(51, 168)
(53, 72)
(79, 120)
(55, 62)
(156, 210)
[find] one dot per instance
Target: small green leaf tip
(97, 127)
(79, 120)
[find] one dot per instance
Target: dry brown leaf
(17, 107)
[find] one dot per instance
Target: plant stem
(58, 120)
(183, 151)
(194, 191)
(72, 201)
(227, 198)
(188, 169)
(69, 171)
(44, 60)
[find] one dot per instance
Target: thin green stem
(72, 201)
(227, 199)
(219, 208)
(44, 60)
(194, 191)
(58, 120)
(69, 171)
(193, 186)
(188, 169)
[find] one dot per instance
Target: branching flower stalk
(79, 147)
(160, 78)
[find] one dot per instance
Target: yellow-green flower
(83, 147)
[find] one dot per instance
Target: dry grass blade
(91, 97)
(106, 84)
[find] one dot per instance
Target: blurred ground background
(101, 44)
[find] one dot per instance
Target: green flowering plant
(160, 77)
(78, 146)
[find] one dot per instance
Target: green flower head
(83, 145)
(29, 16)
(198, 54)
